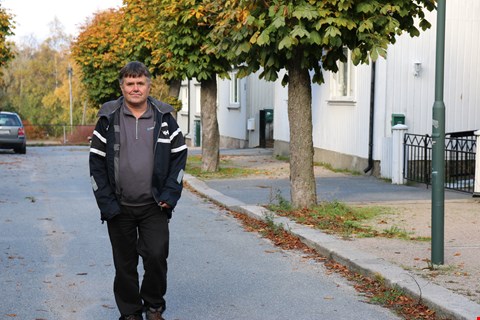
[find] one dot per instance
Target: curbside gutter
(445, 302)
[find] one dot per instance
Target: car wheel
(21, 150)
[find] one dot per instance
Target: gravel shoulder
(460, 271)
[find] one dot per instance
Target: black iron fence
(460, 151)
(58, 134)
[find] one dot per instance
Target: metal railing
(58, 134)
(417, 162)
(460, 151)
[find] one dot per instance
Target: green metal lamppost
(438, 143)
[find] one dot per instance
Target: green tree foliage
(57, 101)
(185, 55)
(100, 50)
(270, 34)
(142, 28)
(175, 35)
(189, 23)
(111, 39)
(6, 29)
(36, 85)
(307, 37)
(32, 75)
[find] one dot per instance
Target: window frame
(343, 89)
(234, 90)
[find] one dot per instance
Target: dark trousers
(139, 231)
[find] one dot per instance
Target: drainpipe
(189, 107)
(371, 124)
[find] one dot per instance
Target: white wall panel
(415, 96)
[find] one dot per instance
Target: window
(234, 89)
(198, 100)
(9, 120)
(183, 96)
(343, 81)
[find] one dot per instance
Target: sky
(32, 17)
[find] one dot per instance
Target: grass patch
(424, 239)
(335, 216)
(328, 166)
(276, 228)
(396, 232)
(278, 203)
(387, 296)
(282, 158)
(338, 218)
(226, 169)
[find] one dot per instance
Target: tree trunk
(302, 179)
(174, 88)
(210, 132)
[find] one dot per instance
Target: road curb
(445, 302)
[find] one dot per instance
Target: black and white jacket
(170, 156)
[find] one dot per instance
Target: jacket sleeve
(172, 189)
(104, 194)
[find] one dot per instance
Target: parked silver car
(12, 132)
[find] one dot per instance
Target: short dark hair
(133, 69)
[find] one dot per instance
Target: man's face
(135, 90)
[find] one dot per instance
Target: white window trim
(198, 100)
(184, 98)
(234, 92)
(349, 97)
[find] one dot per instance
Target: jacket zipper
(136, 128)
(155, 142)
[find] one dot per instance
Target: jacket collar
(112, 106)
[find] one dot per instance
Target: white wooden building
(239, 103)
(345, 111)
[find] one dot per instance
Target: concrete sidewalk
(396, 261)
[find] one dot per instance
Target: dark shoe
(155, 314)
(132, 317)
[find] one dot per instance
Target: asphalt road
(55, 259)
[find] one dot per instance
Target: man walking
(137, 160)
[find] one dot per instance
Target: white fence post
(476, 187)
(399, 131)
